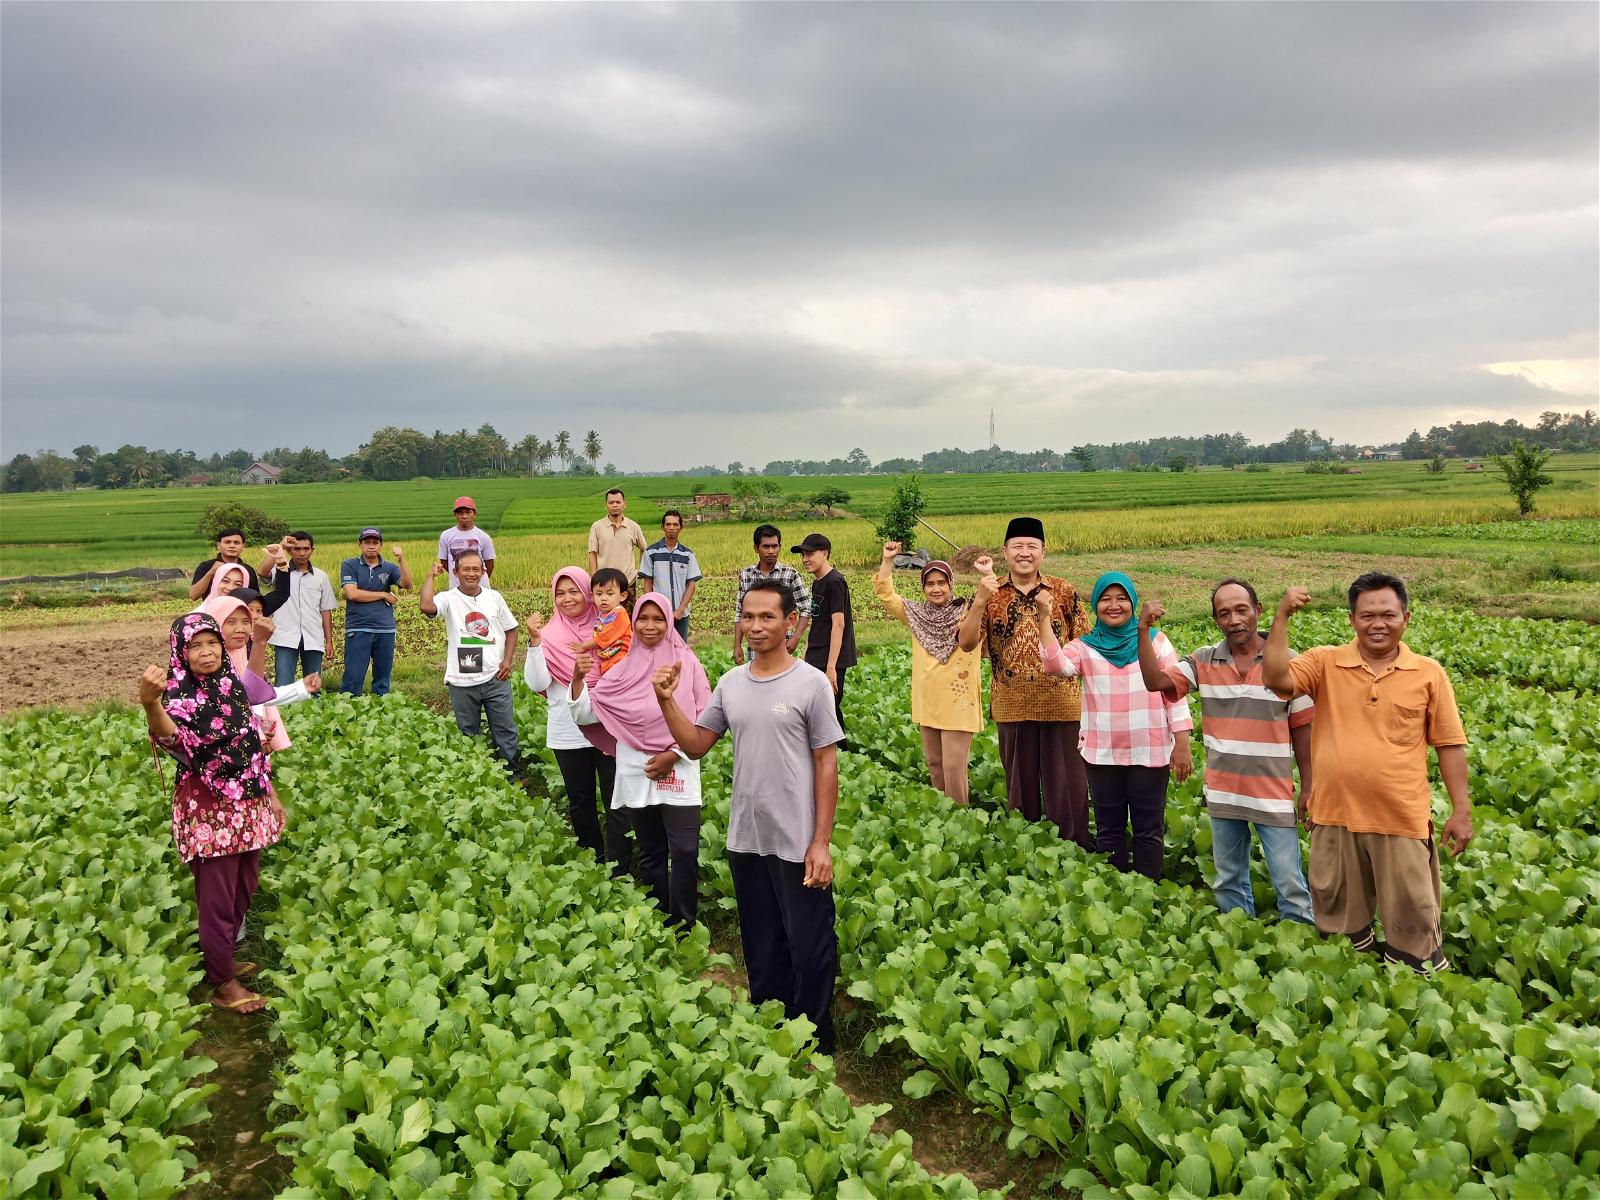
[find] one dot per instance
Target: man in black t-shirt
(831, 641)
(230, 549)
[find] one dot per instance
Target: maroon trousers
(222, 891)
(1044, 770)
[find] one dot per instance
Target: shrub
(259, 527)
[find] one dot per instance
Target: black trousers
(669, 858)
(791, 950)
(579, 771)
(1136, 795)
(819, 660)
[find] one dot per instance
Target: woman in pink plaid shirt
(1131, 737)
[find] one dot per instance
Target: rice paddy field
(539, 524)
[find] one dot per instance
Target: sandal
(239, 1005)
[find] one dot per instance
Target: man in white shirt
(305, 619)
(482, 636)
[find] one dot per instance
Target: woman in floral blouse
(223, 809)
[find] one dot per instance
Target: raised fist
(152, 684)
(666, 681)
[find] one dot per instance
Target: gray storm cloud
(1104, 220)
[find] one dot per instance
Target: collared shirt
(613, 545)
(299, 619)
(1020, 689)
(784, 574)
(671, 569)
(1125, 724)
(1369, 743)
(1249, 753)
(369, 616)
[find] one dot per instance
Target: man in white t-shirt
(482, 637)
(465, 537)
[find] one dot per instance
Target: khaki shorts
(1354, 875)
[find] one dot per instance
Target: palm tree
(591, 449)
(564, 449)
(543, 453)
(527, 449)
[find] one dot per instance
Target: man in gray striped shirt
(1253, 740)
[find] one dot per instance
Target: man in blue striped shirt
(672, 570)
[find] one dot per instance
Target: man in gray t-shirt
(785, 792)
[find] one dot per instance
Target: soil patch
(80, 666)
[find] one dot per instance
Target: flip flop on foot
(245, 1002)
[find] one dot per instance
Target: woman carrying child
(224, 810)
(1131, 737)
(656, 782)
(587, 771)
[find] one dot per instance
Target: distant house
(260, 472)
(714, 500)
(1390, 455)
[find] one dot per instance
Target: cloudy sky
(761, 231)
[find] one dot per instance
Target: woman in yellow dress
(946, 681)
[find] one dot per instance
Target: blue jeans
(682, 626)
(1230, 848)
(285, 660)
(360, 648)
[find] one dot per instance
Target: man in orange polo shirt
(1380, 706)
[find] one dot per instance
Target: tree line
(391, 453)
(396, 453)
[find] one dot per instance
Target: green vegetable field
(468, 1006)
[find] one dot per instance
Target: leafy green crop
(1166, 1049)
(95, 966)
(475, 1008)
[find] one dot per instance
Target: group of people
(1090, 700)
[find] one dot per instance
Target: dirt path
(80, 665)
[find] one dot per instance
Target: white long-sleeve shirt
(560, 731)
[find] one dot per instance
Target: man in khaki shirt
(615, 540)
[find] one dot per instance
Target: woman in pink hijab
(656, 783)
(587, 770)
(226, 580)
(238, 626)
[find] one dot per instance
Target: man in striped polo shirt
(1251, 736)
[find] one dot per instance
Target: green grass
(49, 534)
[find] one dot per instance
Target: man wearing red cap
(463, 536)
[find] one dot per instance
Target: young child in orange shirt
(613, 631)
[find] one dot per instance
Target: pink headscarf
(624, 698)
(217, 577)
(257, 690)
(560, 632)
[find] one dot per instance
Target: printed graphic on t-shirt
(475, 635)
(467, 546)
(671, 783)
